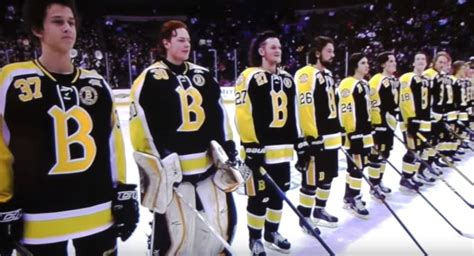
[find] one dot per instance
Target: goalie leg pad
(157, 178)
(216, 211)
(181, 221)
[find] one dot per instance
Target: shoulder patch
(345, 93)
(320, 78)
(386, 83)
(303, 78)
(287, 82)
(199, 80)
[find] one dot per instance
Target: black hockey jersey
(61, 151)
(178, 113)
(266, 112)
(317, 105)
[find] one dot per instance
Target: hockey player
(319, 121)
(266, 121)
(354, 113)
(415, 102)
(384, 105)
(62, 164)
(176, 111)
(439, 90)
(460, 90)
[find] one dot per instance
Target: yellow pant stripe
(254, 221)
(306, 200)
(195, 165)
(368, 141)
(322, 194)
(332, 141)
(281, 154)
(453, 115)
(463, 116)
(425, 126)
(274, 216)
(60, 229)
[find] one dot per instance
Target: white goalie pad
(227, 178)
(157, 178)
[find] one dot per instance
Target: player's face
(271, 51)
(420, 62)
(363, 66)
(441, 63)
(179, 46)
(327, 54)
(448, 67)
(59, 29)
(391, 64)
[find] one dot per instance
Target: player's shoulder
(250, 72)
(196, 68)
(348, 82)
(20, 68)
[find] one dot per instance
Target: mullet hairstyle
(255, 59)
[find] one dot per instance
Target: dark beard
(326, 63)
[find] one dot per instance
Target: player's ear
(261, 51)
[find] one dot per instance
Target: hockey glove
(11, 228)
(254, 157)
(302, 151)
(125, 210)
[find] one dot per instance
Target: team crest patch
(303, 78)
(199, 80)
(287, 82)
(88, 95)
(386, 83)
(345, 93)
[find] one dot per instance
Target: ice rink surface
(381, 234)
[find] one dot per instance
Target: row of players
(62, 164)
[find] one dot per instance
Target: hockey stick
(282, 195)
(451, 165)
(423, 162)
(468, 235)
(382, 199)
(21, 250)
(211, 228)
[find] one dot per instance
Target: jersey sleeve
(407, 97)
(249, 105)
(306, 103)
(6, 157)
(141, 121)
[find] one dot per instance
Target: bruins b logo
(192, 113)
(65, 163)
(279, 109)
